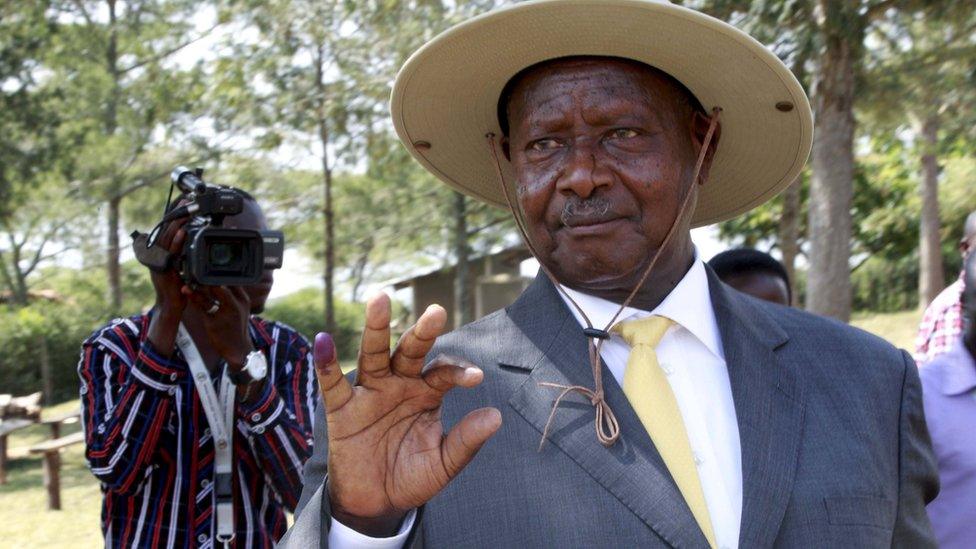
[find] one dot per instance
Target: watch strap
(240, 377)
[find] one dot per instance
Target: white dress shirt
(693, 360)
(691, 355)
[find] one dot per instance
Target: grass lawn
(24, 518)
(898, 328)
(25, 521)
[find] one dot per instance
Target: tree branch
(8, 280)
(490, 224)
(40, 248)
(878, 9)
(84, 13)
(166, 53)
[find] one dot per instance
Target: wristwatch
(255, 368)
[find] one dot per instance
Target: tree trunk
(463, 296)
(8, 279)
(789, 232)
(114, 199)
(112, 254)
(47, 381)
(832, 185)
(358, 274)
(327, 212)
(931, 277)
(19, 297)
(329, 233)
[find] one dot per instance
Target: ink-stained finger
(335, 388)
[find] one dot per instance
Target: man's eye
(543, 145)
(623, 133)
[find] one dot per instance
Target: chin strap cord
(606, 424)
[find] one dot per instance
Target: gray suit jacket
(835, 451)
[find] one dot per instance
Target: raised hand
(170, 300)
(387, 449)
(227, 326)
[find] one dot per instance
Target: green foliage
(27, 119)
(73, 308)
(302, 311)
(886, 285)
(61, 327)
(886, 213)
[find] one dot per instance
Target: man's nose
(585, 171)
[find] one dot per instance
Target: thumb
(468, 436)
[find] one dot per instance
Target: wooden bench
(51, 449)
(55, 422)
(6, 427)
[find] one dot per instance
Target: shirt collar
(689, 305)
(958, 370)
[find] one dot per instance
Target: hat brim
(446, 95)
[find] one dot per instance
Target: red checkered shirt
(941, 325)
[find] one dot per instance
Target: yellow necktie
(650, 394)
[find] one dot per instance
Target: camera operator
(148, 435)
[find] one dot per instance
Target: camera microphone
(188, 180)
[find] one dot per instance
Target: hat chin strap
(605, 423)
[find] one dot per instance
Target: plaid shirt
(149, 443)
(941, 325)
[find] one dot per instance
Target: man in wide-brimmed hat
(627, 398)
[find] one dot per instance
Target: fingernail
(324, 349)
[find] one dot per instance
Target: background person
(949, 384)
(755, 273)
(147, 436)
(728, 421)
(941, 324)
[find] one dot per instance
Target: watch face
(257, 365)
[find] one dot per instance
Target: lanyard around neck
(220, 416)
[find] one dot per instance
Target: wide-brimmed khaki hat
(445, 98)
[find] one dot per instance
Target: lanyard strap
(221, 427)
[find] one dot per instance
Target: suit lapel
(769, 411)
(631, 470)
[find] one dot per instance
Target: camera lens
(223, 254)
(225, 257)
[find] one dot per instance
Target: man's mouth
(585, 226)
(584, 220)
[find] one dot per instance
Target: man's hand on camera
(170, 301)
(226, 310)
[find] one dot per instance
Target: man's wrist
(374, 527)
(163, 328)
(168, 311)
(237, 358)
(250, 394)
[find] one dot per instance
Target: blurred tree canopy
(909, 111)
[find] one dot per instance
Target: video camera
(212, 255)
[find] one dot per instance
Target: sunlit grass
(898, 328)
(25, 521)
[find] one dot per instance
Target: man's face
(603, 152)
(253, 218)
(762, 285)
